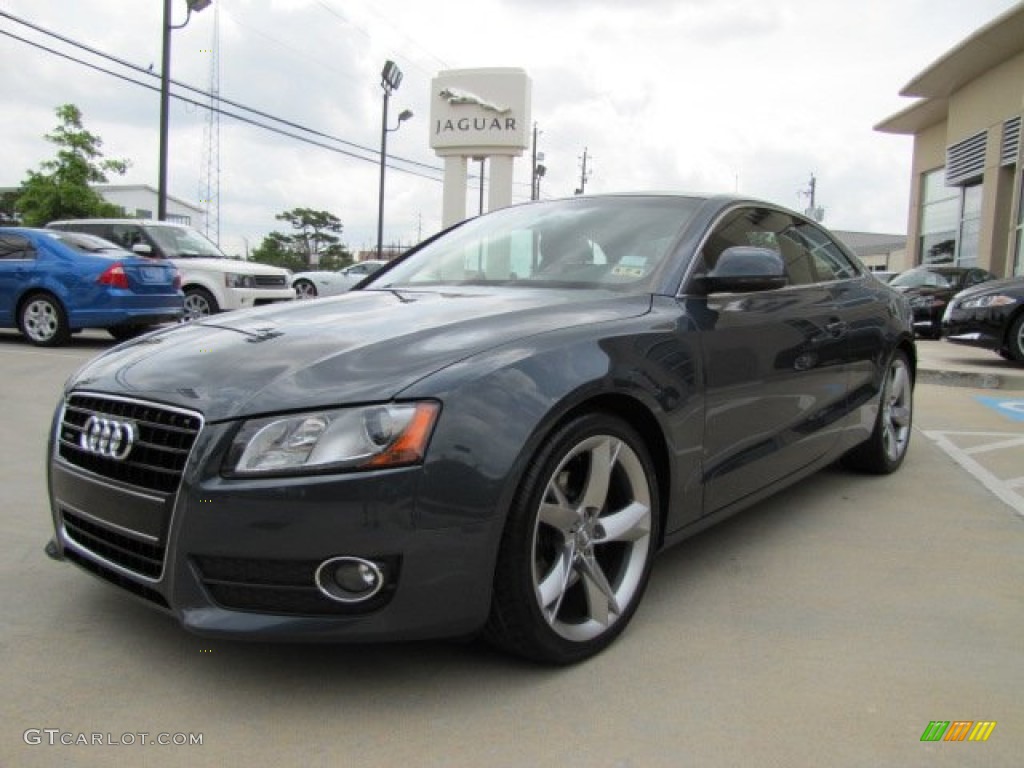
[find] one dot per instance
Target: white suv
(211, 281)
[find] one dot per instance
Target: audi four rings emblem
(107, 437)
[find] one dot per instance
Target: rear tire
(304, 289)
(578, 545)
(43, 321)
(884, 451)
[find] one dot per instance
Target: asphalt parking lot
(829, 626)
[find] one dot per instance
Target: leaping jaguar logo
(456, 96)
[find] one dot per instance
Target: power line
(374, 158)
(216, 98)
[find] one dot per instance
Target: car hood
(1013, 286)
(364, 346)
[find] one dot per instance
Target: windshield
(180, 242)
(603, 242)
(918, 278)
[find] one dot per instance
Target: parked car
(494, 434)
(53, 284)
(989, 316)
(212, 282)
(309, 285)
(929, 289)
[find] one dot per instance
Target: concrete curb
(953, 365)
(966, 379)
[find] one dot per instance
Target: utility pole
(584, 174)
(813, 211)
(209, 172)
(538, 168)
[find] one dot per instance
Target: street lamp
(390, 79)
(165, 95)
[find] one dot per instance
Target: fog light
(349, 579)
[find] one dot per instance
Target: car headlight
(235, 280)
(369, 437)
(982, 302)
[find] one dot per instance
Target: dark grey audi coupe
(494, 434)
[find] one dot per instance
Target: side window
(125, 235)
(16, 247)
(828, 260)
(100, 230)
(763, 228)
(745, 226)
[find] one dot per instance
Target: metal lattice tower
(209, 173)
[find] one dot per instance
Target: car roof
(141, 222)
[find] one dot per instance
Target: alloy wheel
(897, 409)
(591, 541)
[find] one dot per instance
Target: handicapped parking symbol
(1012, 409)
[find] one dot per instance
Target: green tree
(277, 251)
(8, 210)
(315, 239)
(60, 188)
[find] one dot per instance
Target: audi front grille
(138, 443)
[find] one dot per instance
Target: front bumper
(246, 298)
(239, 557)
(984, 327)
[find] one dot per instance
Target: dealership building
(966, 205)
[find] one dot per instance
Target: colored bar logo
(958, 730)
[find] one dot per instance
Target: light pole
(165, 96)
(390, 79)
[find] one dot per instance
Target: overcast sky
(695, 95)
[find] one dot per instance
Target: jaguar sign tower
(478, 113)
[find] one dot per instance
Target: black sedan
(929, 289)
(989, 316)
(494, 435)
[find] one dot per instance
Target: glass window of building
(940, 214)
(1018, 253)
(970, 226)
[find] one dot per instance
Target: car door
(774, 363)
(17, 270)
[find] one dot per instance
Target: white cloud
(699, 96)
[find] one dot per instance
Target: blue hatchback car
(55, 283)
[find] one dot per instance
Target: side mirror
(143, 249)
(744, 268)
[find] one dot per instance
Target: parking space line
(1004, 489)
(996, 446)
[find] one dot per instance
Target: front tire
(199, 303)
(578, 545)
(884, 451)
(43, 322)
(1015, 340)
